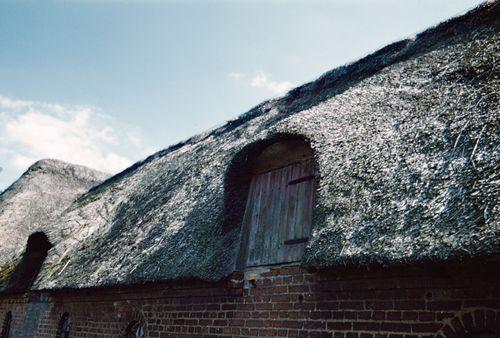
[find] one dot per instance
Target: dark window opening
(6, 326)
(27, 270)
(135, 330)
(277, 216)
(64, 326)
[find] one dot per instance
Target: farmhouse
(362, 204)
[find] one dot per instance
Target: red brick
(395, 327)
(377, 305)
(338, 326)
(366, 326)
(444, 305)
(425, 327)
(426, 316)
(294, 304)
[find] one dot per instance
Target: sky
(107, 83)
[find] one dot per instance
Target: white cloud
(7, 103)
(262, 80)
(30, 131)
(135, 138)
(236, 76)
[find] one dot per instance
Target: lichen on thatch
(7, 269)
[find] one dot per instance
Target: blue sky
(106, 83)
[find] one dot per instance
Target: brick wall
(281, 301)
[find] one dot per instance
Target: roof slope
(406, 148)
(36, 198)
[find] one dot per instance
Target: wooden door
(278, 214)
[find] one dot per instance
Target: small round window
(6, 325)
(135, 330)
(64, 326)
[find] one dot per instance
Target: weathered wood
(279, 212)
(282, 154)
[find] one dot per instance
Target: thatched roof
(34, 200)
(405, 144)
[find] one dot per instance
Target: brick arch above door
(483, 323)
